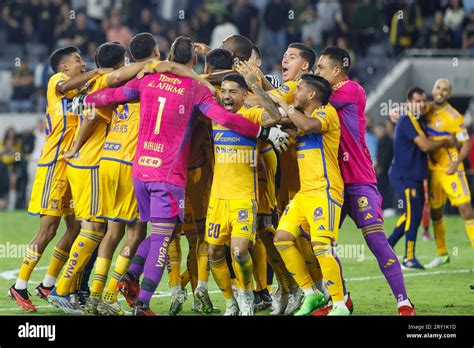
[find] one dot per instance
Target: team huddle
(199, 156)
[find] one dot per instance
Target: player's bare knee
(466, 211)
(283, 236)
(436, 214)
(216, 252)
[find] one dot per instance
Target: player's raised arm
(265, 100)
(208, 105)
(126, 73)
(182, 70)
(107, 96)
(78, 81)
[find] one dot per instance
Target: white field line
(415, 274)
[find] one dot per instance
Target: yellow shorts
(230, 218)
(51, 193)
(85, 192)
(198, 189)
(117, 200)
(442, 186)
(266, 183)
(320, 214)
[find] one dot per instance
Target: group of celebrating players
(199, 155)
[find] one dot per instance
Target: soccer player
(319, 201)
(408, 171)
(447, 178)
(362, 200)
(160, 165)
(51, 196)
(298, 59)
(117, 202)
(233, 203)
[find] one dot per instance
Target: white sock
(175, 289)
(404, 303)
(340, 304)
(202, 284)
(48, 281)
(312, 290)
(21, 284)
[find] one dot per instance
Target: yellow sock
(235, 282)
(58, 259)
(295, 264)
(331, 271)
(102, 267)
(80, 253)
(121, 267)
(304, 247)
(243, 268)
(259, 259)
(29, 263)
(203, 260)
(470, 230)
(439, 227)
(174, 259)
(285, 280)
(221, 275)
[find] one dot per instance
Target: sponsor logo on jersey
(321, 228)
(220, 137)
(148, 161)
(109, 146)
(368, 216)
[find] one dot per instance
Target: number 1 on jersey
(162, 102)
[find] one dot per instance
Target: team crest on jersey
(285, 87)
(317, 214)
(438, 124)
(454, 186)
(55, 204)
(363, 202)
(242, 215)
(413, 192)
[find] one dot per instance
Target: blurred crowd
(35, 27)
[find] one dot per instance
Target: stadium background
(386, 38)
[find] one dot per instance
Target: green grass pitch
(441, 291)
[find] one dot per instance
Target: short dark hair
(237, 78)
(306, 52)
(219, 59)
(319, 84)
(58, 56)
(413, 90)
(142, 45)
(241, 46)
(257, 50)
(338, 56)
(109, 55)
(183, 49)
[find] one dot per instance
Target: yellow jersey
(235, 168)
(286, 91)
(121, 141)
(89, 154)
(60, 122)
(317, 155)
(442, 123)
